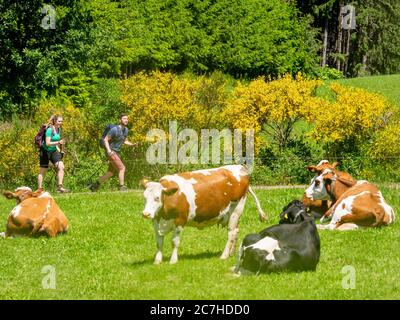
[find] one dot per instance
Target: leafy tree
(376, 45)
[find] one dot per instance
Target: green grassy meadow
(108, 254)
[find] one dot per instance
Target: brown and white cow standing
(355, 203)
(36, 214)
(199, 199)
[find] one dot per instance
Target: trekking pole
(95, 172)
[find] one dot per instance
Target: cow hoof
(236, 274)
(157, 262)
(234, 269)
(173, 262)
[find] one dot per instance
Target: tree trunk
(363, 69)
(347, 52)
(325, 44)
(340, 35)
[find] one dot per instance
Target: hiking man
(114, 139)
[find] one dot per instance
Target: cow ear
(312, 168)
(144, 182)
(335, 164)
(10, 195)
(169, 191)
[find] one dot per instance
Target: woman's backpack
(40, 136)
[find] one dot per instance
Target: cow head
(154, 195)
(20, 194)
(321, 185)
(294, 212)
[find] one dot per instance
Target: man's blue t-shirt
(117, 137)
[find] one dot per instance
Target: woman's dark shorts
(46, 156)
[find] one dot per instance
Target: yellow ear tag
(285, 216)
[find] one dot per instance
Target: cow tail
(261, 213)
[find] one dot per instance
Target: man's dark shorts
(46, 156)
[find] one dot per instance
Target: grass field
(109, 251)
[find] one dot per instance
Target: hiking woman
(50, 151)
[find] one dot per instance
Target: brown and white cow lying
(355, 203)
(36, 214)
(199, 199)
(317, 208)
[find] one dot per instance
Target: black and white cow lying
(291, 245)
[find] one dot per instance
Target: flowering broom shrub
(355, 115)
(275, 105)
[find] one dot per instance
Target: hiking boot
(61, 189)
(123, 188)
(94, 186)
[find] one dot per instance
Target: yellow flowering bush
(386, 147)
(277, 104)
(19, 160)
(356, 113)
(156, 99)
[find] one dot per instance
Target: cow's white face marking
(23, 189)
(322, 162)
(317, 190)
(22, 192)
(152, 194)
(267, 244)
